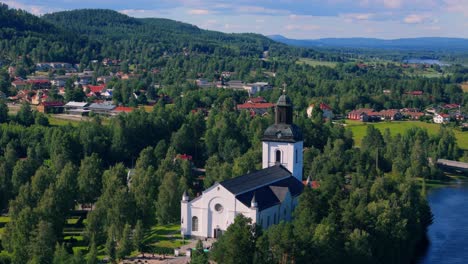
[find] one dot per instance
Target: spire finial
(284, 88)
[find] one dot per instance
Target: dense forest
(47, 171)
(369, 208)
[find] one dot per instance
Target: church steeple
(284, 110)
(282, 141)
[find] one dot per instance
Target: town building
(267, 196)
(326, 109)
(441, 118)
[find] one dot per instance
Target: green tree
(90, 178)
(138, 237)
(25, 116)
(125, 244)
(43, 243)
(91, 257)
(111, 245)
(168, 204)
(61, 255)
(237, 244)
(3, 112)
(198, 256)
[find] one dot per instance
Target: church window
(194, 223)
(278, 156)
(219, 208)
(295, 156)
(268, 221)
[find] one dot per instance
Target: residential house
(50, 107)
(360, 114)
(412, 115)
(60, 81)
(326, 109)
(101, 108)
(390, 114)
(19, 84)
(76, 108)
(254, 88)
(39, 97)
(415, 93)
(203, 83)
(94, 90)
(39, 83)
(256, 108)
(441, 118)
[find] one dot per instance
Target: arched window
(278, 156)
(194, 223)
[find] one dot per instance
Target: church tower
(282, 141)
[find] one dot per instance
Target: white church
(267, 196)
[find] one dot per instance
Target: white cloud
(34, 9)
(302, 27)
(247, 9)
(416, 18)
(457, 6)
(392, 3)
(199, 12)
(358, 16)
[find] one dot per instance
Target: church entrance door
(217, 233)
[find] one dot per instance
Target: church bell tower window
(278, 156)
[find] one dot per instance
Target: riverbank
(450, 179)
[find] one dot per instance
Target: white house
(326, 109)
(441, 118)
(267, 196)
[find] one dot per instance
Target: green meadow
(399, 127)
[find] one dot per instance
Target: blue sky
(300, 19)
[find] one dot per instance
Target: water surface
(448, 235)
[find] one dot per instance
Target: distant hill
(428, 44)
(79, 36)
(114, 28)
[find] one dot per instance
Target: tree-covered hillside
(24, 37)
(117, 30)
(80, 36)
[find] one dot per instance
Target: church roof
(282, 133)
(255, 179)
(272, 194)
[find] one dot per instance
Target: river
(448, 235)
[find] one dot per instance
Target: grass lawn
(165, 237)
(314, 63)
(464, 87)
(3, 221)
(359, 130)
(61, 122)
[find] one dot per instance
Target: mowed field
(317, 62)
(359, 130)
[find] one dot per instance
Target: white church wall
(291, 156)
(216, 208)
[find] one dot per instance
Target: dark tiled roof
(255, 179)
(272, 194)
(282, 133)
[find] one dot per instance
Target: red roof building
(415, 93)
(123, 109)
(96, 88)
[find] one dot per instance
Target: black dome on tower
(283, 130)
